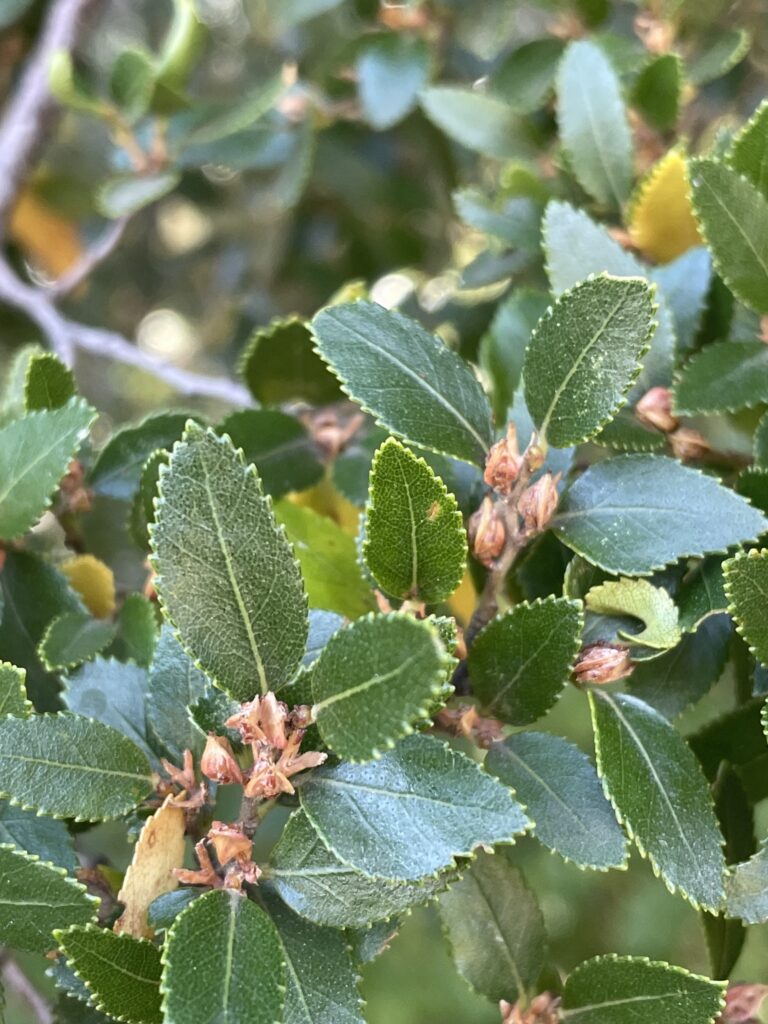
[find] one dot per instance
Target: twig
(16, 981)
(67, 335)
(91, 258)
(25, 124)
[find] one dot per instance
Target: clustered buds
(689, 445)
(602, 663)
(502, 467)
(543, 1009)
(538, 503)
(487, 532)
(233, 851)
(189, 795)
(742, 1004)
(655, 409)
(218, 762)
(465, 721)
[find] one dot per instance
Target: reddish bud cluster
(502, 467)
(538, 503)
(543, 1009)
(742, 1004)
(487, 532)
(602, 663)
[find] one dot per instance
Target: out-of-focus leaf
(391, 72)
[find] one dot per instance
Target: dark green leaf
(749, 153)
(35, 898)
(702, 593)
(73, 638)
(733, 217)
(407, 378)
(584, 356)
(723, 377)
(410, 813)
(322, 626)
(495, 929)
(374, 680)
(724, 51)
(559, 788)
(113, 693)
(279, 446)
(242, 974)
(760, 443)
(477, 120)
(391, 71)
(49, 384)
(612, 990)
(415, 544)
(121, 973)
(136, 631)
(520, 662)
(35, 452)
(317, 885)
(117, 470)
(175, 684)
(142, 512)
(279, 365)
(226, 574)
(132, 82)
(321, 977)
(684, 284)
(525, 77)
(625, 433)
(746, 586)
(69, 767)
(752, 484)
(747, 889)
(593, 123)
(658, 790)
(45, 838)
(502, 348)
(657, 89)
(637, 513)
(163, 911)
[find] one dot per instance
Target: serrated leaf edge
(69, 664)
(755, 554)
(707, 409)
(22, 680)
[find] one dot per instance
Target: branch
(15, 980)
(25, 125)
(66, 336)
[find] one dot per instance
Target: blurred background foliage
(296, 159)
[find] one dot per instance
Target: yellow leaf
(462, 602)
(93, 581)
(324, 499)
(661, 221)
(51, 240)
(160, 849)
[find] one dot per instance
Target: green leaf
(684, 284)
(746, 586)
(45, 838)
(35, 452)
(622, 990)
(69, 767)
(391, 71)
(163, 911)
(117, 470)
(525, 77)
(625, 433)
(227, 577)
(73, 638)
(702, 593)
(733, 217)
(328, 559)
(322, 626)
(142, 512)
(316, 884)
(478, 121)
(321, 976)
(495, 928)
(215, 122)
(752, 484)
(585, 354)
(113, 693)
(407, 378)
(724, 377)
(520, 662)
(725, 50)
(575, 247)
(502, 348)
(35, 898)
(415, 543)
(747, 889)
(175, 684)
(760, 443)
(682, 676)
(658, 790)
(559, 787)
(136, 631)
(657, 91)
(126, 194)
(242, 975)
(13, 693)
(593, 123)
(132, 81)
(640, 600)
(374, 680)
(13, 397)
(749, 152)
(49, 384)
(279, 446)
(122, 974)
(279, 365)
(410, 813)
(637, 513)
(516, 220)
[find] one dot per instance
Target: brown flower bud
(502, 466)
(742, 1004)
(543, 1009)
(655, 409)
(602, 663)
(218, 762)
(689, 445)
(229, 843)
(538, 503)
(487, 532)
